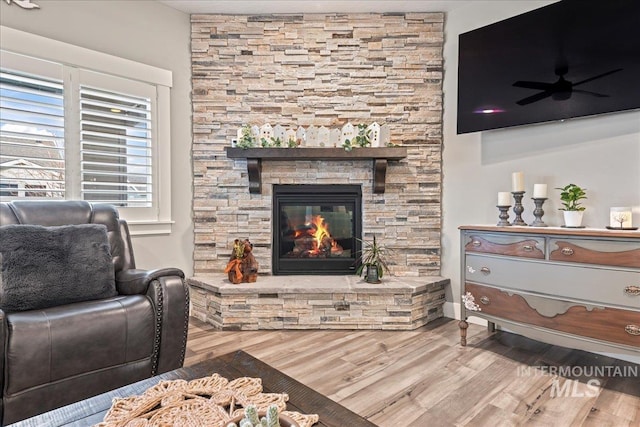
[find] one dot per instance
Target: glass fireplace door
(316, 229)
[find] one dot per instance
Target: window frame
(77, 61)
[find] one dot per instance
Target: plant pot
(573, 219)
(284, 420)
(371, 275)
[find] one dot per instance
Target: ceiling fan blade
(597, 77)
(535, 98)
(533, 85)
(588, 92)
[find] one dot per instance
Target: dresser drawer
(587, 283)
(618, 253)
(593, 321)
(512, 245)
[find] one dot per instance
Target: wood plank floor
(425, 378)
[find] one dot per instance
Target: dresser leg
(491, 327)
(463, 325)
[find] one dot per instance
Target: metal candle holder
(538, 212)
(517, 208)
(504, 215)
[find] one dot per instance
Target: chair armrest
(136, 282)
(170, 297)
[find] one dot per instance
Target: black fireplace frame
(330, 194)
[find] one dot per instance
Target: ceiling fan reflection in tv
(561, 89)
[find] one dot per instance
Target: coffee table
(231, 366)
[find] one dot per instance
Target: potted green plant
(570, 195)
(373, 261)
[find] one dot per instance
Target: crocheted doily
(209, 401)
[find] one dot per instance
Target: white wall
(601, 154)
(147, 32)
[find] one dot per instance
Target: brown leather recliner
(58, 355)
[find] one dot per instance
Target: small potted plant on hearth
(373, 261)
(570, 195)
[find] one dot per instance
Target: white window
(116, 144)
(32, 149)
(72, 128)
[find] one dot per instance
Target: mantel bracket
(379, 175)
(254, 169)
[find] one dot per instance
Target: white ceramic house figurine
(348, 132)
(255, 131)
(385, 135)
(289, 135)
(312, 137)
(266, 132)
(278, 132)
(301, 136)
(323, 137)
(374, 134)
(335, 138)
(234, 142)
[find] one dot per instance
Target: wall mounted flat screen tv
(569, 59)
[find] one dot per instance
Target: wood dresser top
(588, 232)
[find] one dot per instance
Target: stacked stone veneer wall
(322, 70)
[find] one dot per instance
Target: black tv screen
(569, 59)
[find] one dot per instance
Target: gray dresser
(574, 287)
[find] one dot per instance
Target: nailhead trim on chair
(156, 342)
(186, 321)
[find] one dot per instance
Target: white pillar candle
(517, 181)
(539, 191)
(504, 198)
(620, 217)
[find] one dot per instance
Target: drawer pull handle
(567, 251)
(485, 270)
(476, 243)
(630, 329)
(485, 300)
(527, 248)
(632, 290)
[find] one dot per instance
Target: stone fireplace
(320, 70)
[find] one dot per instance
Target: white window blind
(116, 148)
(32, 147)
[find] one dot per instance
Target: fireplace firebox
(317, 229)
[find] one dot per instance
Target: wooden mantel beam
(255, 156)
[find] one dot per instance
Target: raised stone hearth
(317, 302)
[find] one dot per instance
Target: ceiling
(313, 6)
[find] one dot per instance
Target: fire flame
(318, 229)
(322, 230)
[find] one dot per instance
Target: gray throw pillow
(49, 266)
